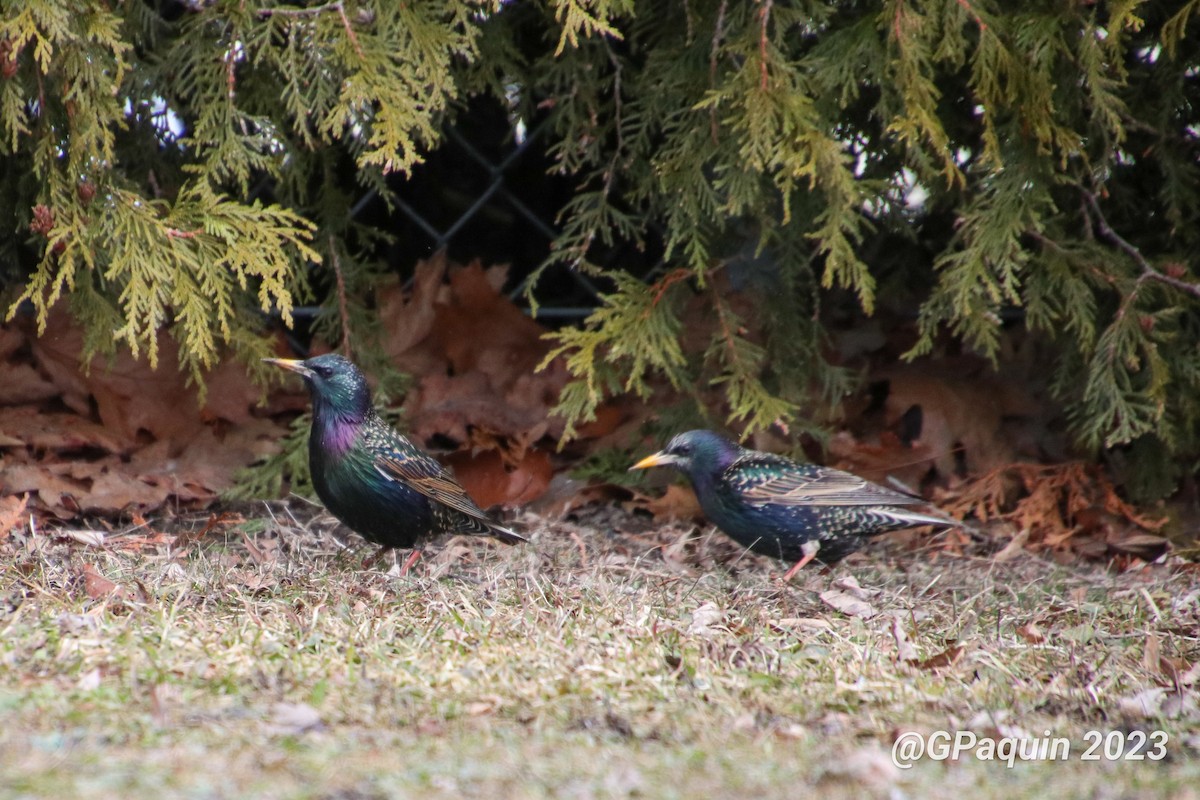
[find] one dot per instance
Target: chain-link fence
(487, 193)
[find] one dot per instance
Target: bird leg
(412, 559)
(810, 552)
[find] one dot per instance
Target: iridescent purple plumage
(369, 476)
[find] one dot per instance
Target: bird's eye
(324, 372)
(683, 449)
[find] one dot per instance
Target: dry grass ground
(607, 659)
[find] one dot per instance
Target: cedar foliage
(167, 166)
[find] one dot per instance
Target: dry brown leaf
(484, 706)
(89, 681)
(1147, 703)
(408, 319)
(1169, 671)
(58, 432)
(481, 329)
(476, 354)
(959, 414)
(565, 495)
(465, 407)
(206, 465)
(1031, 633)
(84, 536)
(114, 490)
(1145, 546)
(677, 502)
(12, 513)
(254, 581)
(1015, 546)
(50, 491)
(1071, 505)
(491, 482)
(130, 396)
(1151, 653)
(870, 767)
(904, 649)
(11, 340)
(850, 584)
(887, 458)
(99, 587)
(609, 416)
(24, 384)
(946, 658)
(706, 620)
(848, 604)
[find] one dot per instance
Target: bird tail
(914, 518)
(505, 535)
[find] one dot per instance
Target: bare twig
(312, 11)
(765, 16)
(970, 10)
(230, 73)
(1149, 273)
(660, 288)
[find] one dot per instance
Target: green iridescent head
(695, 453)
(337, 387)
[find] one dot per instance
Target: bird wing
(430, 478)
(765, 478)
(425, 475)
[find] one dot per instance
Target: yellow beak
(656, 460)
(291, 364)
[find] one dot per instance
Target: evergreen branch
(1148, 272)
(314, 11)
(1175, 28)
(578, 15)
(718, 35)
(343, 312)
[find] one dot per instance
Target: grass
(607, 659)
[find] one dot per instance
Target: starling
(369, 476)
(782, 508)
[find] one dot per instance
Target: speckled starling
(369, 476)
(782, 508)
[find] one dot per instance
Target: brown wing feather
(792, 484)
(431, 480)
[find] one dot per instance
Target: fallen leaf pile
(475, 355)
(1071, 510)
(942, 422)
(119, 436)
